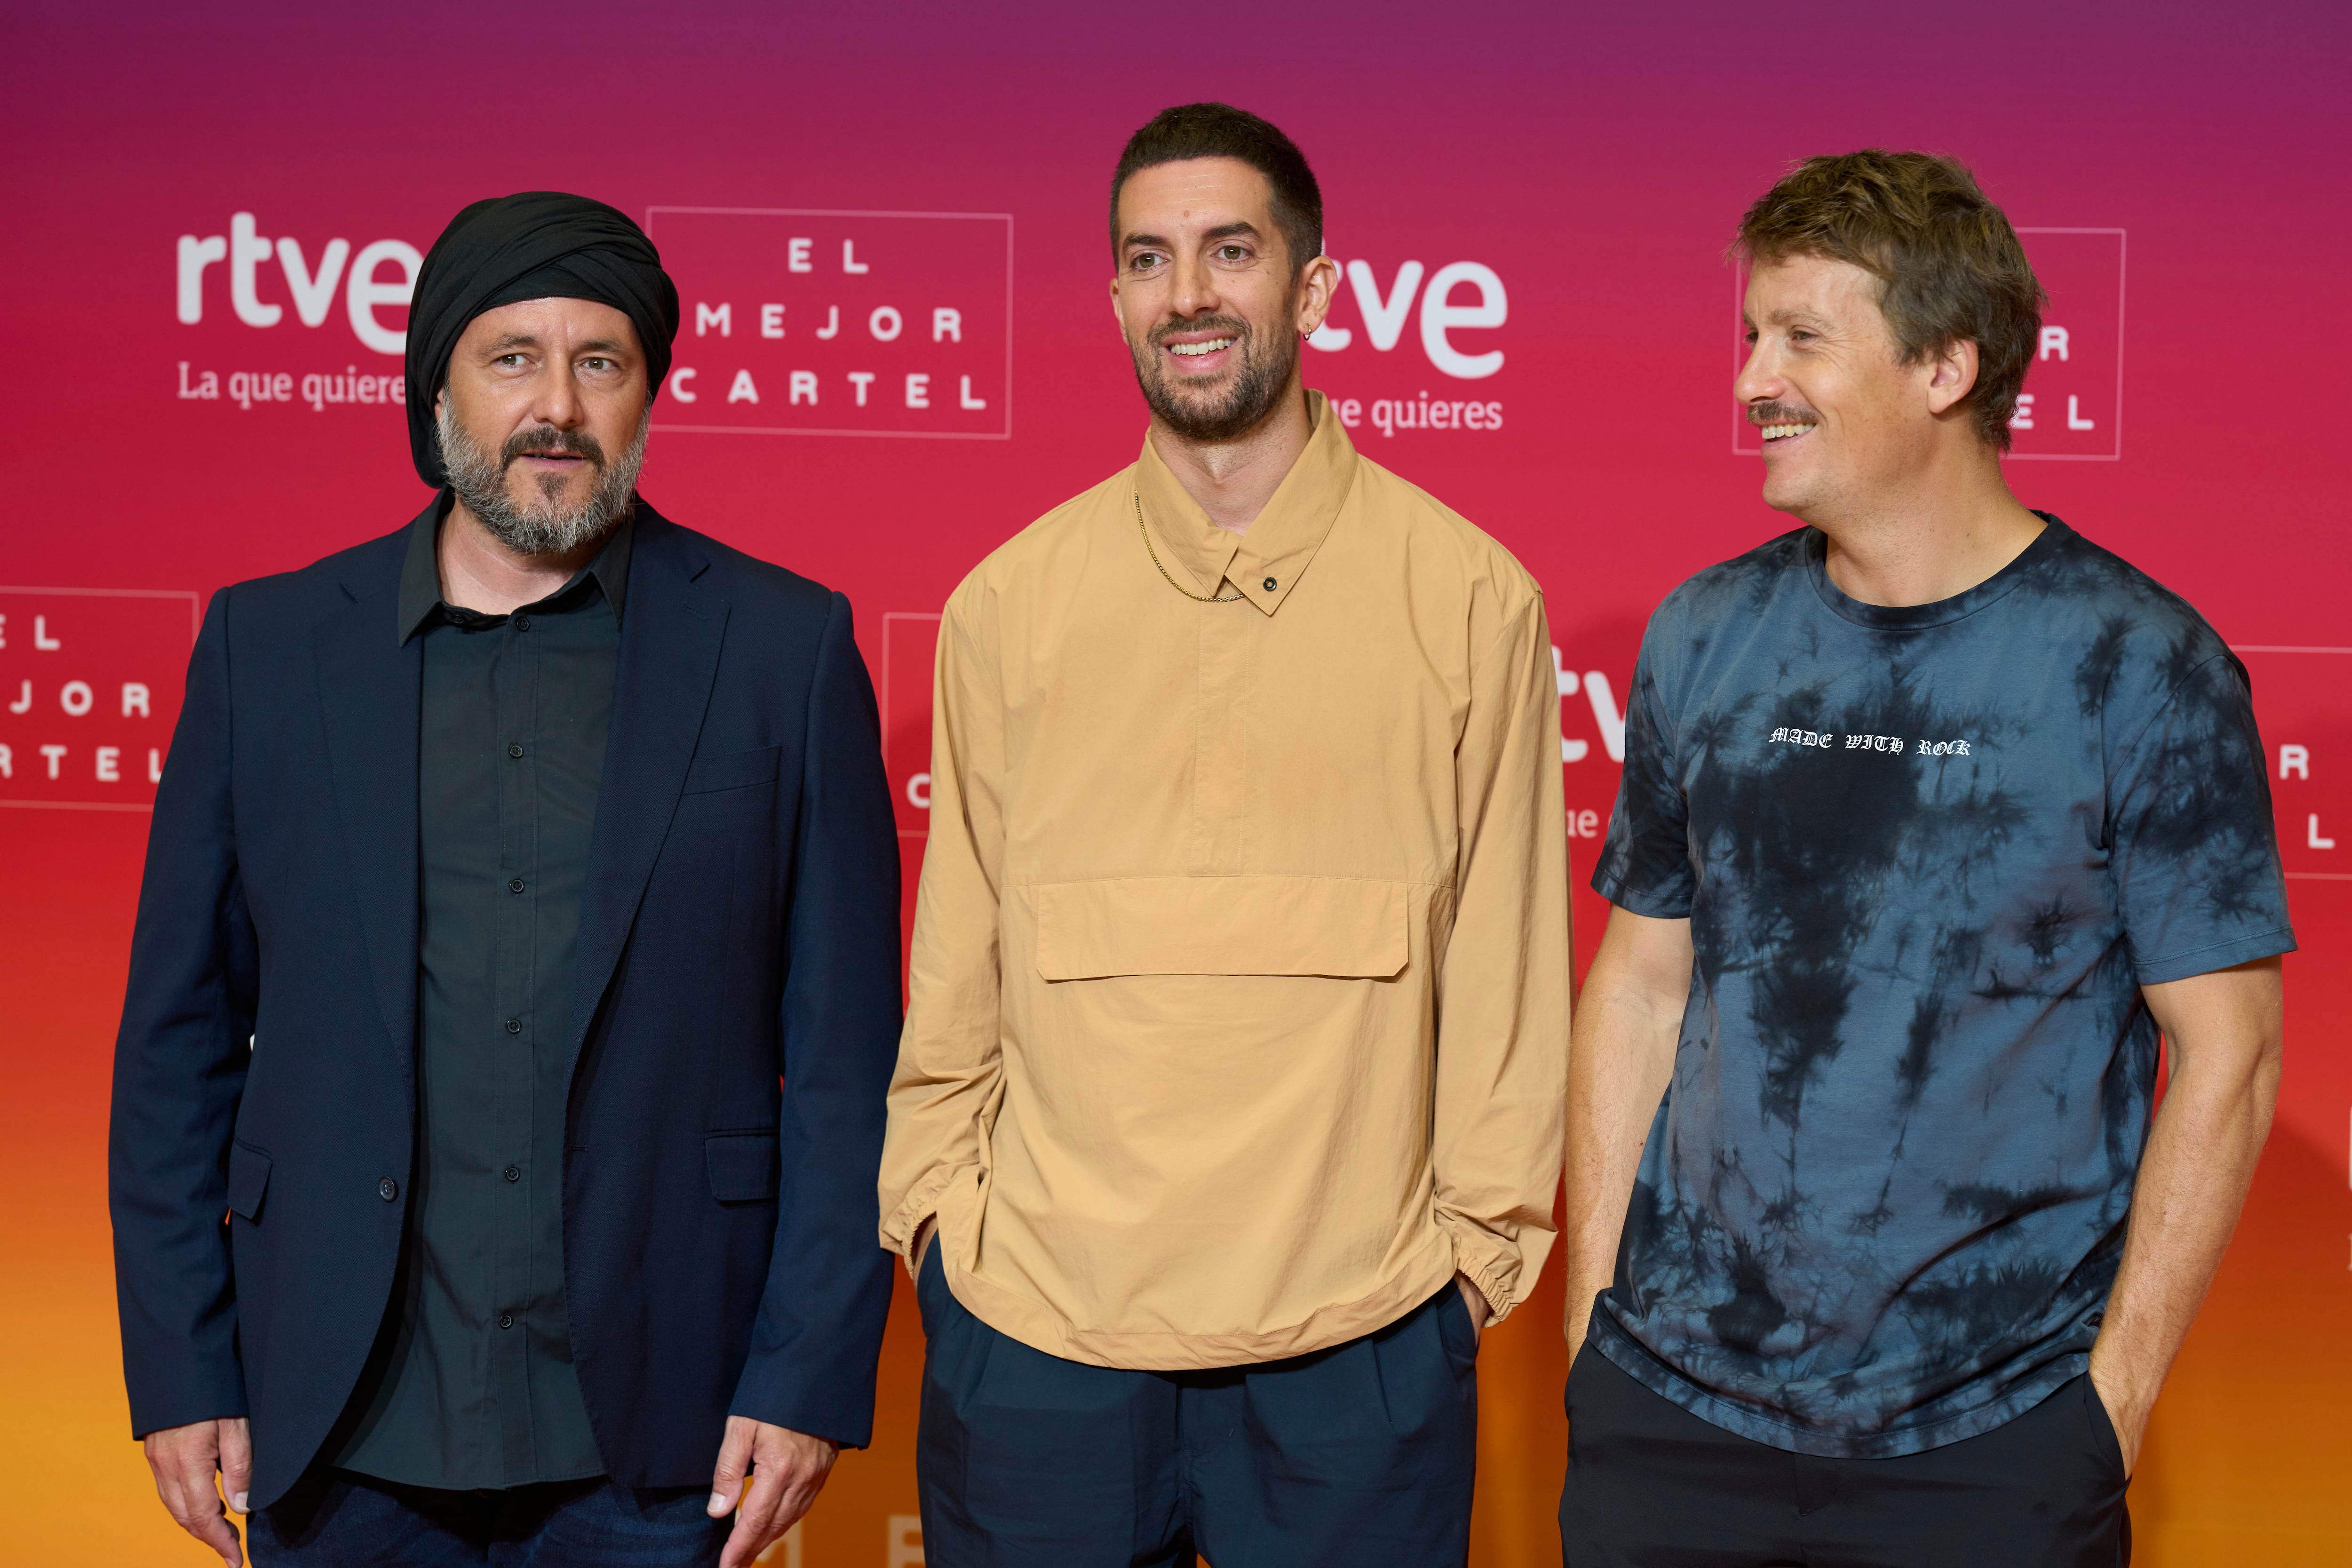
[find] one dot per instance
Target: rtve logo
(1382, 314)
(264, 276)
(1460, 297)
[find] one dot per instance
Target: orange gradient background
(1595, 159)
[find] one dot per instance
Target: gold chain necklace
(1203, 598)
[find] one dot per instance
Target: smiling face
(1208, 298)
(543, 422)
(1845, 422)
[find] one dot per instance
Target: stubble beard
(1266, 368)
(542, 527)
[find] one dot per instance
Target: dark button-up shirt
(476, 1388)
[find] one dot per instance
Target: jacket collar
(1279, 545)
(668, 662)
(420, 571)
(370, 696)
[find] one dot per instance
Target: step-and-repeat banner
(887, 229)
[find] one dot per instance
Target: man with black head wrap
(516, 968)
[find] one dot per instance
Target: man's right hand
(1628, 1023)
(923, 1234)
(185, 1460)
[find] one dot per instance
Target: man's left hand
(2224, 1037)
(786, 1470)
(1475, 1299)
(2127, 1412)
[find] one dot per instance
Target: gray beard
(1245, 406)
(479, 478)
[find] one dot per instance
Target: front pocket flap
(732, 770)
(248, 1179)
(742, 1166)
(1220, 925)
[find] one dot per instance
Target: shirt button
(522, 622)
(515, 886)
(387, 1189)
(514, 749)
(1267, 584)
(514, 1025)
(512, 1172)
(506, 1320)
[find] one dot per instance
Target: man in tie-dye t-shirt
(1935, 814)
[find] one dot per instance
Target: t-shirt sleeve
(1645, 862)
(2189, 829)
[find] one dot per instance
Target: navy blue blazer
(735, 1026)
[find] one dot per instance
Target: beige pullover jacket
(1239, 979)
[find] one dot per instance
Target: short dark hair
(1221, 130)
(1949, 267)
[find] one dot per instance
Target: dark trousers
(1650, 1484)
(1357, 1455)
(339, 1520)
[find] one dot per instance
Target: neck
(479, 572)
(1233, 480)
(1941, 533)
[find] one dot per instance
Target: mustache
(548, 442)
(1781, 414)
(1234, 325)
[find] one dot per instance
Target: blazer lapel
(670, 635)
(370, 687)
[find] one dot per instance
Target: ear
(1317, 286)
(1952, 375)
(1115, 314)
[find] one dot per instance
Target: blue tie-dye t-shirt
(1929, 855)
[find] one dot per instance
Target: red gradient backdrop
(1568, 175)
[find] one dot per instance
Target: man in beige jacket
(1228, 1110)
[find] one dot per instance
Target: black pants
(1357, 1456)
(333, 1519)
(1650, 1484)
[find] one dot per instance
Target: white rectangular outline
(195, 624)
(2123, 274)
(888, 617)
(2293, 648)
(1004, 435)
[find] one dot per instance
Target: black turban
(533, 245)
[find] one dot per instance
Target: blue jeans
(344, 1521)
(1359, 1456)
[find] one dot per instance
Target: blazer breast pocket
(733, 770)
(248, 1180)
